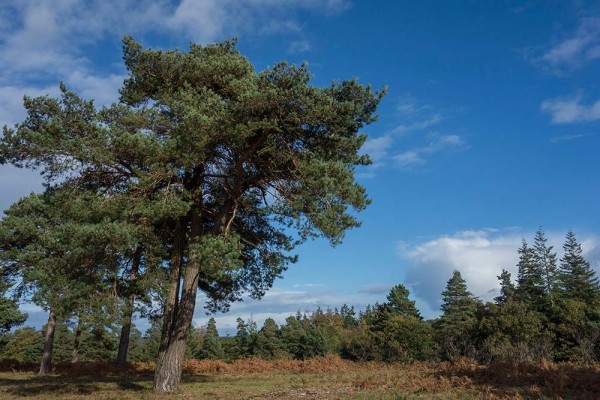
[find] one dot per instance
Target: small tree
(578, 280)
(545, 260)
(398, 303)
(10, 316)
(211, 346)
(455, 328)
(530, 283)
(268, 341)
(507, 288)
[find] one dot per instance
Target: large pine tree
(231, 162)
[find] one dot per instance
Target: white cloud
(479, 255)
(409, 159)
(377, 148)
(48, 40)
(418, 156)
(299, 46)
(418, 125)
(580, 48)
(409, 106)
(17, 183)
(571, 109)
(418, 116)
(11, 101)
(567, 138)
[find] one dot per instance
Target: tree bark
(128, 312)
(76, 341)
(46, 364)
(175, 334)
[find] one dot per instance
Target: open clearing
(326, 378)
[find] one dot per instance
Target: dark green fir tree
(211, 345)
(578, 280)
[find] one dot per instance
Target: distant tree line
(551, 311)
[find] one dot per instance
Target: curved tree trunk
(179, 313)
(128, 312)
(46, 364)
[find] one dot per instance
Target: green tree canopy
(229, 159)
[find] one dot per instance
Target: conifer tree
(578, 280)
(211, 346)
(507, 288)
(66, 256)
(268, 341)
(455, 328)
(348, 315)
(530, 288)
(242, 337)
(545, 260)
(227, 158)
(398, 303)
(10, 316)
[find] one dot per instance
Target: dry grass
(323, 378)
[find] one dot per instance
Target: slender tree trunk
(46, 364)
(175, 334)
(128, 312)
(76, 341)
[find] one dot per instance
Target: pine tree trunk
(176, 330)
(128, 312)
(76, 342)
(46, 364)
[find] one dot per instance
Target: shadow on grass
(529, 381)
(57, 385)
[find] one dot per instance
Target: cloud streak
(569, 110)
(418, 156)
(579, 49)
(418, 117)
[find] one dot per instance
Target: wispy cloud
(308, 285)
(418, 117)
(409, 106)
(567, 110)
(376, 289)
(409, 159)
(299, 46)
(580, 48)
(424, 123)
(568, 138)
(377, 148)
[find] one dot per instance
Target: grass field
(326, 378)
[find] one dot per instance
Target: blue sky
(490, 130)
